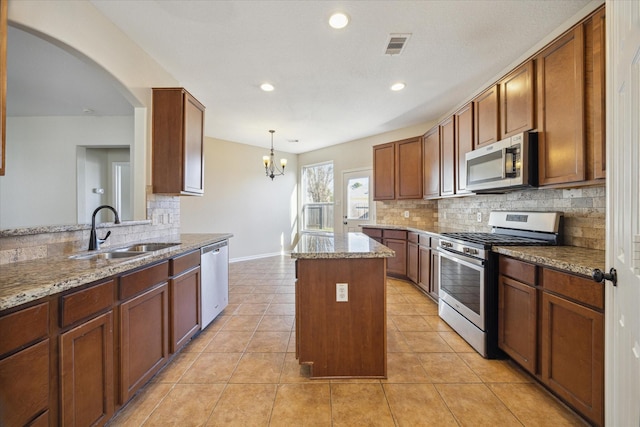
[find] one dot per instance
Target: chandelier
(270, 167)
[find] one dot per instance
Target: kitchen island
(341, 305)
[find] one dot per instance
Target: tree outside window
(317, 187)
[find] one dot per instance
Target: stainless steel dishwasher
(214, 280)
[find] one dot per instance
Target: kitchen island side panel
(342, 339)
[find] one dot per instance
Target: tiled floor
(242, 371)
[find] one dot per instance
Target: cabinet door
(573, 354)
(560, 90)
(595, 95)
(434, 286)
(193, 145)
(384, 171)
(431, 166)
(24, 393)
(517, 113)
(413, 261)
(424, 272)
(409, 169)
(487, 118)
(517, 319)
(185, 307)
(397, 265)
(447, 157)
(86, 373)
(144, 338)
(464, 144)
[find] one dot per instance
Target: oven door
(462, 285)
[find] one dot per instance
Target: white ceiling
(331, 86)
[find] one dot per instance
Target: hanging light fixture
(270, 167)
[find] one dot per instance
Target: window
(317, 196)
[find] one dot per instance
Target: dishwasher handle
(214, 248)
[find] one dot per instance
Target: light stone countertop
(27, 281)
(571, 259)
(339, 246)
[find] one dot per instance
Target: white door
(622, 305)
(358, 207)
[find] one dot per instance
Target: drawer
(577, 288)
(372, 232)
(184, 262)
(24, 327)
(134, 283)
(87, 302)
(519, 270)
(424, 239)
(413, 237)
(395, 234)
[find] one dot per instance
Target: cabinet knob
(599, 276)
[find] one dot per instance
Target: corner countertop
(27, 281)
(571, 259)
(339, 246)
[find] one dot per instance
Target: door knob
(599, 276)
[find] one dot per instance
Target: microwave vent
(396, 43)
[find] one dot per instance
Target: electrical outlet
(342, 292)
(406, 214)
(479, 216)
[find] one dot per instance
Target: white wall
(352, 155)
(40, 179)
(240, 199)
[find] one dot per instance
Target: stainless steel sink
(147, 247)
(107, 255)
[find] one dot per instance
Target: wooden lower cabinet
(413, 262)
(424, 276)
(397, 265)
(572, 357)
(144, 338)
(185, 307)
(86, 373)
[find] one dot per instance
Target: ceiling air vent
(396, 43)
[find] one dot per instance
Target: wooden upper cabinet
(464, 143)
(409, 169)
(517, 112)
(384, 172)
(178, 142)
(560, 99)
(447, 157)
(487, 117)
(431, 164)
(397, 170)
(595, 95)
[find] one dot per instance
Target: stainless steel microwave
(506, 165)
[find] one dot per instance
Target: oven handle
(470, 262)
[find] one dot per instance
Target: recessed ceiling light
(267, 87)
(339, 20)
(398, 86)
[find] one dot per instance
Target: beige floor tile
(437, 324)
(281, 310)
(411, 323)
(258, 298)
(426, 342)
(142, 405)
(286, 289)
(211, 368)
(172, 372)
(244, 405)
(405, 368)
(284, 299)
(359, 405)
(396, 343)
(242, 323)
(247, 309)
(276, 323)
(186, 405)
(200, 342)
(268, 342)
(427, 309)
(447, 368)
(294, 372)
(418, 405)
(306, 404)
(239, 289)
(534, 406)
(396, 298)
(258, 368)
(475, 405)
(456, 342)
(494, 371)
(229, 342)
(291, 348)
(401, 309)
(266, 289)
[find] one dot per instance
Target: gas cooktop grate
(494, 239)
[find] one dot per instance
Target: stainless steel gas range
(468, 272)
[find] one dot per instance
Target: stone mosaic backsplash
(163, 213)
(584, 212)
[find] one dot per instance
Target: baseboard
(252, 257)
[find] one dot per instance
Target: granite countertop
(434, 231)
(22, 282)
(568, 258)
(338, 246)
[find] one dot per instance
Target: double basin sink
(125, 252)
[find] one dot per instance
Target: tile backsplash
(584, 212)
(163, 213)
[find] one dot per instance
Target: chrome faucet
(94, 242)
